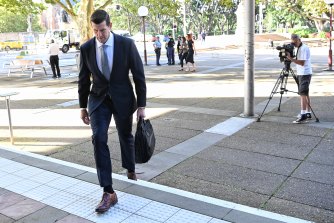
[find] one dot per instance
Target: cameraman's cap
(295, 36)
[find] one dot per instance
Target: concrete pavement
(203, 144)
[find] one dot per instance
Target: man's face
(295, 41)
(101, 31)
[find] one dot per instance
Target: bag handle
(140, 122)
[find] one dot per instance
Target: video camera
(283, 50)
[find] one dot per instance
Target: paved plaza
(211, 164)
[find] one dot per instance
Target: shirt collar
(109, 42)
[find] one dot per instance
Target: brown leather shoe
(132, 175)
(107, 201)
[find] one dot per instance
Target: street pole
(145, 54)
(330, 58)
(29, 22)
(173, 29)
(249, 27)
(261, 7)
(143, 12)
(184, 19)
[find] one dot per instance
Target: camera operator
(304, 74)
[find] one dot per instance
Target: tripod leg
(309, 105)
(279, 105)
(274, 91)
(283, 88)
(308, 101)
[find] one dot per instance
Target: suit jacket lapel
(94, 61)
(116, 52)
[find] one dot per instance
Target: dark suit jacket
(93, 87)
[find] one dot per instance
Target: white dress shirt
(110, 51)
(53, 49)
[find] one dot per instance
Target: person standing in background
(157, 50)
(203, 34)
(170, 50)
(304, 75)
(191, 51)
(54, 59)
(183, 51)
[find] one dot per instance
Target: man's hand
(140, 113)
(288, 56)
(84, 116)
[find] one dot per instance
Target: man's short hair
(295, 36)
(99, 16)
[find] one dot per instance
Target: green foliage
(24, 7)
(304, 33)
(213, 16)
(24, 53)
(290, 13)
(16, 22)
(322, 34)
(160, 17)
(208, 15)
(11, 22)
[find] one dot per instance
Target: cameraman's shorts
(303, 84)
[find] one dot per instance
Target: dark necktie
(104, 62)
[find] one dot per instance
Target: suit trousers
(100, 121)
(171, 59)
(54, 62)
(157, 54)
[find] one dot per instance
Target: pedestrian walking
(191, 51)
(178, 48)
(54, 59)
(105, 90)
(157, 50)
(183, 51)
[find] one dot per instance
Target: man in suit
(104, 86)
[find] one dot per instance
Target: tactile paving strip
(158, 211)
(80, 198)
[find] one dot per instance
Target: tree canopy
(293, 12)
(212, 16)
(23, 7)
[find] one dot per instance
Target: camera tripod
(280, 87)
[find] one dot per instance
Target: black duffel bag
(144, 141)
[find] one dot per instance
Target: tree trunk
(320, 24)
(83, 20)
(129, 23)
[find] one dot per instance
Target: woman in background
(190, 56)
(183, 51)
